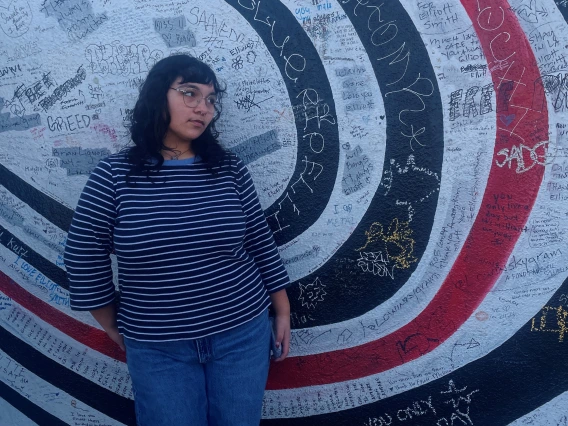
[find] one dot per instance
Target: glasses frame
(183, 91)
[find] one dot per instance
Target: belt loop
(204, 349)
(200, 351)
(207, 342)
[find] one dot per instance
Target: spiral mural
(412, 161)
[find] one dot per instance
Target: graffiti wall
(412, 160)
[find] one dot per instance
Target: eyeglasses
(193, 97)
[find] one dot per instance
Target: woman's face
(191, 111)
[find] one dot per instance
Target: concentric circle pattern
(412, 161)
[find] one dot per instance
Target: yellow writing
(556, 324)
(396, 242)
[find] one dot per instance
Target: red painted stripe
(89, 336)
(473, 274)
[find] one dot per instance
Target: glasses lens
(191, 97)
(212, 102)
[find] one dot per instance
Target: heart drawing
(507, 119)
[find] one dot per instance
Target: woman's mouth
(198, 122)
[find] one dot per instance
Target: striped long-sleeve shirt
(195, 254)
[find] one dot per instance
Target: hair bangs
(200, 73)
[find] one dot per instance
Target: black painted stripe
(97, 397)
(350, 292)
(309, 201)
(562, 6)
(27, 408)
(522, 374)
(46, 206)
(51, 271)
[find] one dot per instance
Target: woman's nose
(201, 107)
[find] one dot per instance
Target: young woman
(197, 263)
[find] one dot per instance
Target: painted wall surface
(412, 160)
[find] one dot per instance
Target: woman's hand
(281, 307)
(106, 317)
(282, 323)
(116, 337)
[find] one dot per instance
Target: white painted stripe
(48, 397)
(11, 416)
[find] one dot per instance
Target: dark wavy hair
(150, 117)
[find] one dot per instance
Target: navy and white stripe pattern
(195, 253)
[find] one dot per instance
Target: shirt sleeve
(259, 241)
(90, 242)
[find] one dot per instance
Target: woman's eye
(189, 93)
(212, 101)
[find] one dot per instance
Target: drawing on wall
(412, 161)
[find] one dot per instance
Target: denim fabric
(218, 380)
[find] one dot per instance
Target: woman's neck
(177, 151)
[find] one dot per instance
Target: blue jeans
(216, 380)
